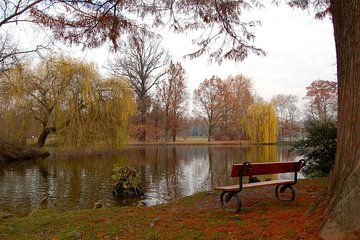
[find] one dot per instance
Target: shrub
(127, 182)
(318, 148)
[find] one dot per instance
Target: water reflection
(168, 172)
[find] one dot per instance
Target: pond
(167, 173)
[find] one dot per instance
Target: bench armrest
(246, 165)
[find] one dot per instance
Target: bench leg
(230, 201)
(283, 189)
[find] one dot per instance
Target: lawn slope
(194, 217)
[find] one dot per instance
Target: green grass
(194, 217)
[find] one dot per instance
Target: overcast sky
(299, 50)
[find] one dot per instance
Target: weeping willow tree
(16, 121)
(95, 114)
(94, 111)
(68, 100)
(260, 123)
(12, 115)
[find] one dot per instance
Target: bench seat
(229, 199)
(234, 188)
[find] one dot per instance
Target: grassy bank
(11, 153)
(195, 217)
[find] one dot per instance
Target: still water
(167, 173)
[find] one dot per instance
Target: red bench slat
(265, 168)
(234, 188)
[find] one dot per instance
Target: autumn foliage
(68, 99)
(93, 23)
(225, 36)
(172, 99)
(221, 104)
(260, 123)
(322, 100)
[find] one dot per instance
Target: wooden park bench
(229, 198)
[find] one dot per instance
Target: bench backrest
(266, 168)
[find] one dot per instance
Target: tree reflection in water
(167, 173)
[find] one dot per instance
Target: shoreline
(10, 153)
(115, 152)
(197, 216)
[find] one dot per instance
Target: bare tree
(142, 61)
(286, 110)
(14, 12)
(8, 52)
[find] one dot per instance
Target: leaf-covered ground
(195, 217)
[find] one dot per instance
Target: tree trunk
(343, 189)
(44, 134)
(143, 110)
(142, 136)
(209, 133)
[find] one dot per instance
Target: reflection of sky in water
(190, 177)
(195, 177)
(167, 173)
